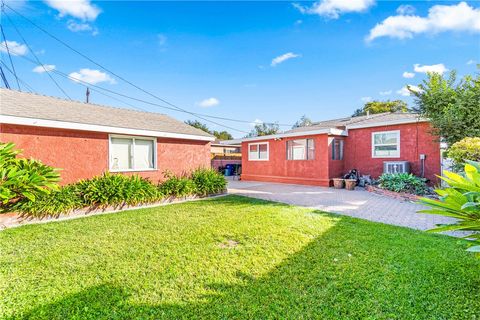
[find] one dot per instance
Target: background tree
(263, 129)
(381, 107)
(220, 135)
(452, 106)
(303, 122)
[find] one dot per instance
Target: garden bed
(13, 219)
(392, 194)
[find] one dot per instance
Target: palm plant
(460, 200)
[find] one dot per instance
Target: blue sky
(267, 61)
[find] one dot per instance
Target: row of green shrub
(118, 190)
(31, 188)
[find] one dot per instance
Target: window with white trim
(258, 151)
(386, 144)
(302, 149)
(132, 153)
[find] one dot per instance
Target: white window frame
(154, 139)
(397, 132)
(305, 151)
(258, 145)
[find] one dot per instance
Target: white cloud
(405, 92)
(437, 68)
(441, 18)
(81, 27)
(385, 93)
(334, 8)
(255, 122)
(408, 75)
(298, 22)
(14, 47)
(471, 61)
(406, 9)
(44, 68)
(283, 58)
(210, 102)
(81, 9)
(366, 99)
(91, 76)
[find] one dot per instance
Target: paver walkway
(358, 203)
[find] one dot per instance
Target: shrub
(177, 186)
(23, 179)
(403, 182)
(53, 204)
(116, 190)
(460, 200)
(465, 149)
(208, 181)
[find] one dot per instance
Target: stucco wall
(415, 139)
(279, 169)
(84, 154)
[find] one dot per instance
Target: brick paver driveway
(358, 203)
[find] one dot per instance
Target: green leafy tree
(303, 122)
(220, 135)
(263, 129)
(452, 106)
(373, 107)
(465, 149)
(197, 124)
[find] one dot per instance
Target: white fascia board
(385, 123)
(298, 134)
(97, 128)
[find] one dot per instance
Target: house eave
(35, 122)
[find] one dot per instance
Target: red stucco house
(315, 154)
(85, 140)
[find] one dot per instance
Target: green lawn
(233, 257)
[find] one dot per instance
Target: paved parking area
(358, 203)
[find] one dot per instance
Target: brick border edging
(13, 220)
(392, 194)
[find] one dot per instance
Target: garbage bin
(229, 169)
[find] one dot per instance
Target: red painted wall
(84, 154)
(279, 169)
(415, 139)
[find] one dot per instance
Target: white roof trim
(97, 128)
(299, 134)
(385, 123)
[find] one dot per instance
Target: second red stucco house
(85, 140)
(315, 154)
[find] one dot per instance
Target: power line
(130, 83)
(9, 55)
(29, 88)
(33, 53)
(5, 81)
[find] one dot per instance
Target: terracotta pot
(350, 184)
(338, 183)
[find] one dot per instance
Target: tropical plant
(208, 181)
(23, 179)
(465, 149)
(460, 200)
(403, 182)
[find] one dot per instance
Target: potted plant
(338, 183)
(350, 184)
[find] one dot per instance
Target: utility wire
(4, 78)
(127, 81)
(33, 53)
(29, 88)
(9, 55)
